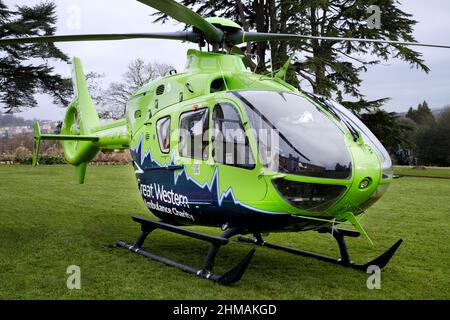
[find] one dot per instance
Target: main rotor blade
(183, 14)
(240, 37)
(181, 35)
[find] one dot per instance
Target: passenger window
(230, 143)
(163, 131)
(194, 134)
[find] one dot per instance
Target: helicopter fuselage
(200, 157)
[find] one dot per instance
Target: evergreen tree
(21, 74)
(432, 142)
(387, 127)
(421, 116)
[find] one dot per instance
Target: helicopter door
(195, 180)
(233, 155)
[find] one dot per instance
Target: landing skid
(338, 234)
(233, 275)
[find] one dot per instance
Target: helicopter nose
(366, 178)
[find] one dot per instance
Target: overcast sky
(406, 87)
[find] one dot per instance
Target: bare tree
(111, 104)
(95, 88)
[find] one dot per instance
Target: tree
(112, 101)
(21, 74)
(404, 154)
(432, 145)
(387, 127)
(330, 67)
(421, 116)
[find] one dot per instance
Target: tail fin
(82, 134)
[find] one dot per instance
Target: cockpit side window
(163, 132)
(368, 136)
(230, 143)
(194, 140)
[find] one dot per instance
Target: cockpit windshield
(354, 124)
(294, 136)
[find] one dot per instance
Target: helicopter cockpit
(295, 136)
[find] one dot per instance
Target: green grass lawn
(47, 222)
(427, 172)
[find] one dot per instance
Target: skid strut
(233, 275)
(338, 235)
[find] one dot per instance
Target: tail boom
(82, 134)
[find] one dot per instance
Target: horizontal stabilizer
(38, 136)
